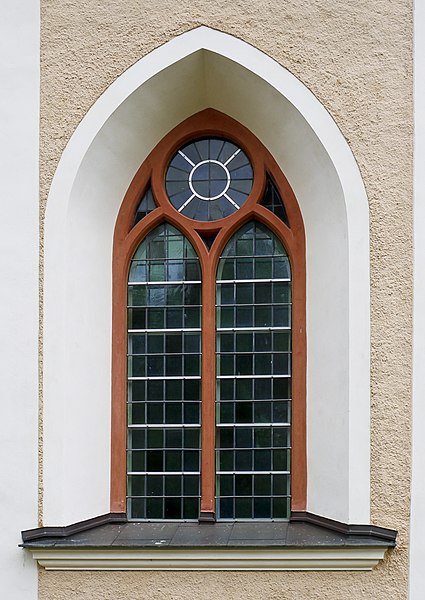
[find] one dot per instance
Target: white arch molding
(199, 69)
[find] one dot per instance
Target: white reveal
(19, 199)
(204, 68)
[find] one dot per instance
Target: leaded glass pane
(274, 203)
(164, 362)
(253, 438)
(147, 205)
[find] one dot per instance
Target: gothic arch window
(209, 349)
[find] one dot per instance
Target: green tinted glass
(253, 437)
(164, 362)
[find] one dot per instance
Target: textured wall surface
(224, 586)
(356, 58)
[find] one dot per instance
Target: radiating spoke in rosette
(209, 179)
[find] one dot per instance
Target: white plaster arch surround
(199, 69)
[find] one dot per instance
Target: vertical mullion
(208, 394)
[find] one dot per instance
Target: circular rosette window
(209, 179)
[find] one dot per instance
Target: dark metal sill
(112, 531)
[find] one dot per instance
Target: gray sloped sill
(307, 542)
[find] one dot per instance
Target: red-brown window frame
(127, 237)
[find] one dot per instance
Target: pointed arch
(91, 179)
(128, 236)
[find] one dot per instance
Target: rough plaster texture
(220, 586)
(356, 57)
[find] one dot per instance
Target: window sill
(265, 546)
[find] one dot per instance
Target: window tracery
(248, 259)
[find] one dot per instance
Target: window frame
(126, 239)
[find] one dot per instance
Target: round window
(209, 179)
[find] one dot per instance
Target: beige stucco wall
(356, 58)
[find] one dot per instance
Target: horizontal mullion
(164, 378)
(237, 448)
(177, 330)
(240, 329)
(177, 496)
(165, 305)
(251, 256)
(164, 473)
(175, 449)
(163, 426)
(252, 425)
(268, 280)
(232, 305)
(221, 496)
(167, 282)
(176, 259)
(251, 400)
(253, 472)
(150, 354)
(253, 376)
(249, 352)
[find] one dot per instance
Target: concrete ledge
(211, 559)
